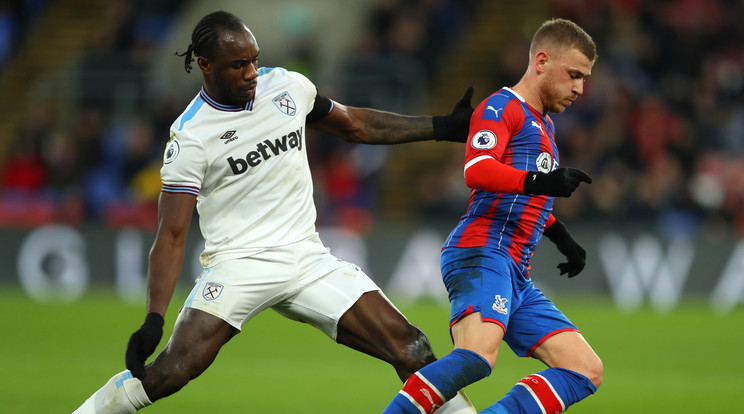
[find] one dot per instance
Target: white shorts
(302, 281)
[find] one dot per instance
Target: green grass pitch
(53, 356)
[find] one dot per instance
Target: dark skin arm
(370, 126)
(166, 255)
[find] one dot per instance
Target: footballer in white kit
(248, 167)
(237, 155)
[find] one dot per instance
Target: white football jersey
(247, 167)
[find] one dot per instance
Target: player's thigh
(480, 336)
(238, 289)
(571, 351)
(196, 340)
(323, 302)
(481, 292)
(534, 321)
(375, 326)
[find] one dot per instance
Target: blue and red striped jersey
(505, 128)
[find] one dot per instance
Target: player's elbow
(595, 372)
(473, 180)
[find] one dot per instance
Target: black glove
(142, 344)
(566, 244)
(557, 183)
(455, 125)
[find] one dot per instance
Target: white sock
(122, 394)
(460, 404)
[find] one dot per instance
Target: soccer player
(511, 165)
(237, 153)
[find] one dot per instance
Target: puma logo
(495, 111)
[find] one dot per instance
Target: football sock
(426, 390)
(550, 391)
(459, 404)
(122, 394)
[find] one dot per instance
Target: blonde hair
(560, 35)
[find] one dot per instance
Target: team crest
(484, 139)
(499, 305)
(212, 291)
(171, 152)
(544, 163)
(285, 103)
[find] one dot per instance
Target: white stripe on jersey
(476, 160)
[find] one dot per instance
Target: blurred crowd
(103, 162)
(391, 66)
(660, 127)
(16, 16)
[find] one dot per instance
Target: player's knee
(595, 372)
(164, 380)
(414, 350)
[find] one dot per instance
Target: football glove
(455, 125)
(561, 182)
(142, 344)
(575, 254)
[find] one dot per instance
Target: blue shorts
(480, 279)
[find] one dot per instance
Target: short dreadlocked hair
(205, 37)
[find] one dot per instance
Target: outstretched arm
(485, 173)
(371, 126)
(166, 257)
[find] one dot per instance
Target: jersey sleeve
(492, 125)
(184, 164)
(494, 122)
(308, 90)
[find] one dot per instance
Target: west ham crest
(285, 103)
(212, 291)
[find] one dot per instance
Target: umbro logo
(229, 136)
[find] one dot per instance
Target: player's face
(231, 76)
(564, 79)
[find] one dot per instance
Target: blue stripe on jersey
(191, 112)
(495, 106)
(504, 230)
(264, 71)
(509, 222)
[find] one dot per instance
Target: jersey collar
(510, 90)
(222, 107)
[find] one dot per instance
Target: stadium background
(90, 87)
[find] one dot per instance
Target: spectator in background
(664, 108)
(672, 84)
